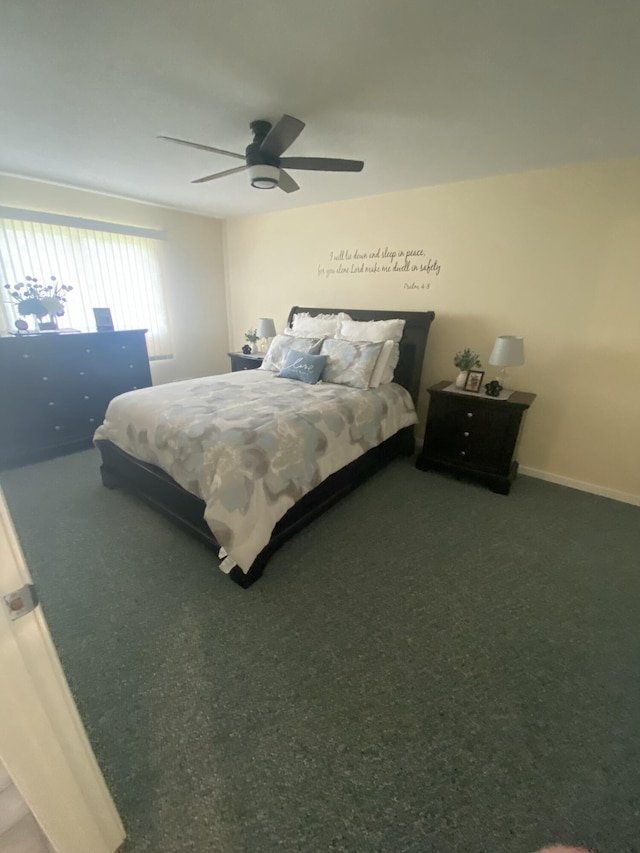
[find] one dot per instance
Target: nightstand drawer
(470, 435)
(240, 361)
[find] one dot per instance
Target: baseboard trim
(602, 491)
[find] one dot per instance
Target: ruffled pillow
(322, 325)
(371, 330)
(279, 349)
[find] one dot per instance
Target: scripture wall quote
(415, 266)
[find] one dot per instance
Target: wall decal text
(382, 261)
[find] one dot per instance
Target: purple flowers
(32, 297)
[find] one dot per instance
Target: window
(108, 266)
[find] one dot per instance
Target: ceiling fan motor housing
(264, 168)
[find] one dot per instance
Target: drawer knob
(463, 453)
(57, 427)
(469, 414)
(52, 404)
(130, 367)
(25, 355)
(82, 373)
(92, 420)
(466, 434)
(45, 378)
(87, 350)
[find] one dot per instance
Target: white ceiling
(424, 91)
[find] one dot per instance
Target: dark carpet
(428, 667)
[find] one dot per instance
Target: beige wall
(550, 255)
(193, 267)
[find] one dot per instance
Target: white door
(43, 744)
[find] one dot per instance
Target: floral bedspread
(251, 444)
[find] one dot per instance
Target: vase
(461, 378)
(254, 348)
(51, 325)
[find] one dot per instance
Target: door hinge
(21, 601)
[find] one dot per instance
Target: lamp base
(503, 379)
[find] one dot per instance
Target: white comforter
(251, 444)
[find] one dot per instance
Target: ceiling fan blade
(203, 147)
(220, 175)
(322, 164)
(281, 136)
(287, 183)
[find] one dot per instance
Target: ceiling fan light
(264, 177)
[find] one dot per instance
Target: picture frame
(104, 323)
(474, 381)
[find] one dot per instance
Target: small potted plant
(465, 360)
(252, 337)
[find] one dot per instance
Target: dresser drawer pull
(86, 396)
(52, 404)
(25, 355)
(82, 373)
(57, 427)
(87, 350)
(130, 367)
(466, 434)
(463, 453)
(469, 414)
(45, 378)
(92, 420)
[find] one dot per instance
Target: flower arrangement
(251, 335)
(467, 359)
(33, 297)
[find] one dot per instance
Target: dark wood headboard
(412, 345)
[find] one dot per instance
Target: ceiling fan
(262, 156)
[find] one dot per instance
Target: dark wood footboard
(160, 491)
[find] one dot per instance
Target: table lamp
(266, 329)
(508, 351)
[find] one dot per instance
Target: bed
(127, 462)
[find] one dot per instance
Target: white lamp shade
(266, 328)
(508, 351)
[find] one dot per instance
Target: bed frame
(161, 492)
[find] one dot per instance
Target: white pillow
(385, 365)
(374, 331)
(281, 345)
(322, 325)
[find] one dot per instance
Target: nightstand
(240, 361)
(474, 435)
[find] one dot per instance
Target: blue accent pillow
(303, 366)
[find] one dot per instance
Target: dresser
(242, 361)
(55, 388)
(474, 435)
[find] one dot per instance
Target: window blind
(117, 269)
